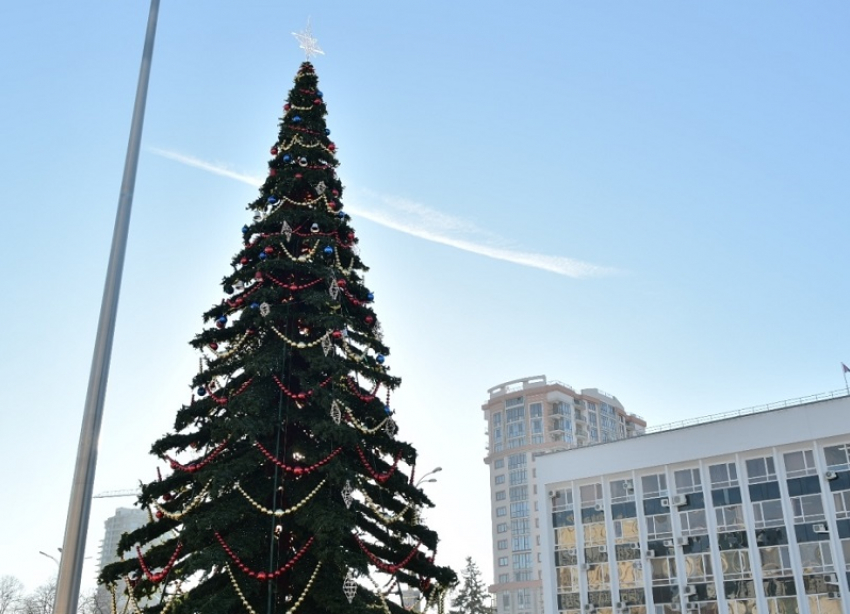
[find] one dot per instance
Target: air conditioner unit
(650, 554)
(603, 548)
(820, 528)
(679, 500)
(675, 607)
(589, 607)
(620, 605)
(571, 550)
(689, 590)
(665, 502)
(599, 507)
(583, 566)
(830, 475)
(629, 485)
(682, 541)
(833, 595)
(831, 579)
(668, 543)
(551, 494)
(693, 607)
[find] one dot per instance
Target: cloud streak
(425, 223)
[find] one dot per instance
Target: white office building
(744, 513)
(526, 417)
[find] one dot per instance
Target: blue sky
(645, 196)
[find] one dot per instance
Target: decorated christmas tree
(286, 488)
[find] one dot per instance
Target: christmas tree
(287, 489)
(472, 596)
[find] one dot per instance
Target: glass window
(761, 470)
(498, 463)
(502, 527)
(622, 490)
(654, 485)
(768, 513)
(729, 518)
(501, 511)
(735, 564)
(687, 480)
(502, 544)
(500, 479)
(535, 410)
(590, 494)
(775, 561)
(842, 504)
(503, 578)
(799, 463)
(723, 475)
(658, 526)
(807, 508)
(837, 457)
(517, 460)
(693, 522)
(503, 561)
(519, 509)
(519, 493)
(500, 495)
(698, 567)
(815, 557)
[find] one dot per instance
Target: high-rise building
(743, 513)
(525, 418)
(124, 520)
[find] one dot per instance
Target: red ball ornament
(261, 575)
(341, 283)
(272, 172)
(369, 320)
(355, 302)
(286, 107)
(332, 147)
(351, 236)
(331, 204)
(273, 151)
(213, 346)
(258, 275)
(166, 496)
(301, 396)
(298, 471)
(336, 334)
(238, 301)
(298, 175)
(269, 250)
(159, 514)
(317, 101)
(334, 192)
(243, 260)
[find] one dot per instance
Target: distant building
(527, 417)
(744, 513)
(123, 521)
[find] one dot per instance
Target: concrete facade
(748, 514)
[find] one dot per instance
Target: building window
(502, 527)
(729, 518)
(687, 480)
(504, 578)
(698, 568)
(654, 485)
(724, 475)
(761, 470)
(768, 513)
(535, 410)
(500, 479)
(500, 495)
(736, 564)
(501, 511)
(800, 463)
(519, 510)
(523, 599)
(842, 505)
(517, 460)
(499, 463)
(521, 542)
(837, 457)
(693, 522)
(659, 526)
(502, 544)
(622, 490)
(518, 476)
(807, 508)
(519, 493)
(590, 494)
(503, 561)
(775, 561)
(816, 557)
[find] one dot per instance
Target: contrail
(425, 223)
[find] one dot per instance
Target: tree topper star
(308, 42)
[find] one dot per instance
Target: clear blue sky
(646, 196)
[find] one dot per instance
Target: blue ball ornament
(370, 296)
(380, 358)
(340, 214)
(327, 131)
(296, 119)
(222, 320)
(244, 229)
(287, 158)
(319, 93)
(202, 392)
(263, 255)
(328, 250)
(255, 305)
(272, 200)
(387, 409)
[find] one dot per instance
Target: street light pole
(79, 508)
